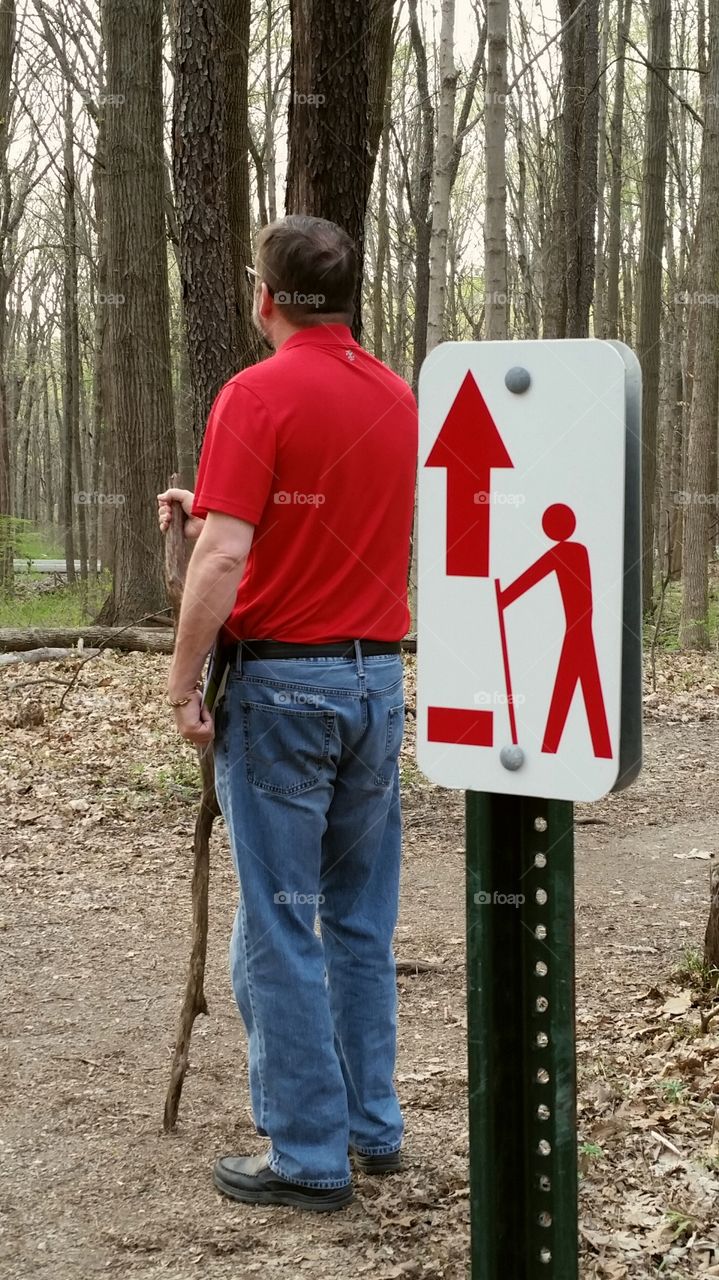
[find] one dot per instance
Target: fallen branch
(194, 1001)
(45, 655)
(421, 966)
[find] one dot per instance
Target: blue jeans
(307, 779)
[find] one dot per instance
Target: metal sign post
(529, 697)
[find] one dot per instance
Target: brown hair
(310, 267)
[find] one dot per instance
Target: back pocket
(286, 748)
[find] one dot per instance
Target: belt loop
(360, 669)
(238, 659)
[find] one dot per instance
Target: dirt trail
(99, 805)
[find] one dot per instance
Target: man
(304, 499)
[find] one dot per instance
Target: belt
(271, 649)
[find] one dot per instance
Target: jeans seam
(255, 1022)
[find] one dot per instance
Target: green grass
(692, 972)
(668, 637)
(65, 607)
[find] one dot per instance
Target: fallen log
(45, 655)
(128, 639)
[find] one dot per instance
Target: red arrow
(469, 446)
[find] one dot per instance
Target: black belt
(270, 649)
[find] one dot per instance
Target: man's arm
(214, 574)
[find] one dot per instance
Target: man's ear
(266, 301)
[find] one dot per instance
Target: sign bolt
(512, 758)
(517, 379)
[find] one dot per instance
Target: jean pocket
(286, 748)
(393, 742)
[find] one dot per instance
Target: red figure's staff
(505, 660)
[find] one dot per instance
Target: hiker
(578, 664)
(302, 517)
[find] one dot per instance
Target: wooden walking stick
(194, 1000)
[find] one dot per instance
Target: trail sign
(521, 566)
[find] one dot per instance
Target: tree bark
(654, 169)
(7, 54)
(580, 118)
(138, 326)
(700, 478)
(329, 170)
(616, 138)
(495, 203)
(442, 179)
(201, 157)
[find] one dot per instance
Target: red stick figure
(578, 658)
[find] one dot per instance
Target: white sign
(520, 567)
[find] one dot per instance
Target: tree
(212, 197)
(700, 485)
(7, 53)
(495, 203)
(138, 326)
(442, 178)
(580, 122)
(329, 171)
(654, 171)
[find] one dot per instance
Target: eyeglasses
(253, 278)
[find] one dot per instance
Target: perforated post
(522, 1077)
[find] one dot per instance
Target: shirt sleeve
(237, 460)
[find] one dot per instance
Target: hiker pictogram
(569, 561)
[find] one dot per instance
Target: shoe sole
(291, 1198)
(377, 1164)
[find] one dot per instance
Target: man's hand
(194, 722)
(193, 525)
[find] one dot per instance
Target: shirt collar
(320, 335)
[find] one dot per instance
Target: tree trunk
(329, 171)
(700, 478)
(654, 171)
(616, 138)
(442, 181)
(138, 326)
(580, 119)
(7, 53)
(420, 202)
(207, 268)
(75, 497)
(237, 38)
(495, 204)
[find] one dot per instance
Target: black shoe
(390, 1163)
(250, 1179)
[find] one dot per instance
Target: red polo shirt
(317, 448)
